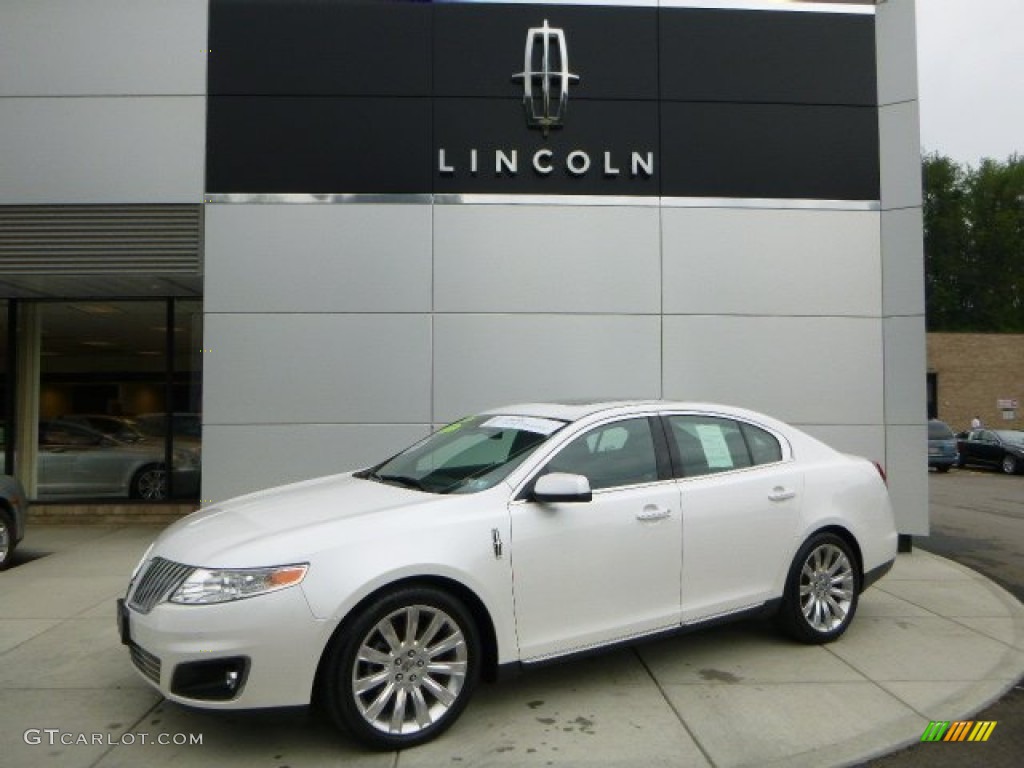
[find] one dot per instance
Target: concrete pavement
(931, 641)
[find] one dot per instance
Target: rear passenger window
(707, 444)
(764, 448)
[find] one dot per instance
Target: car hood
(290, 523)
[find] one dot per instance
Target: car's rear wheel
(150, 483)
(822, 590)
(1009, 464)
(943, 467)
(403, 669)
(6, 539)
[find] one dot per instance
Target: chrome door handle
(652, 512)
(781, 494)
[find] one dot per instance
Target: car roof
(574, 410)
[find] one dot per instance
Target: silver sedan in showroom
(504, 540)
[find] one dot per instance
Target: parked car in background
(75, 460)
(999, 448)
(504, 540)
(13, 510)
(942, 449)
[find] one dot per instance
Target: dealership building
(330, 226)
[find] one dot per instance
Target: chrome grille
(145, 662)
(159, 579)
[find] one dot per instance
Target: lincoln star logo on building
(546, 77)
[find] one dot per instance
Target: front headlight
(205, 586)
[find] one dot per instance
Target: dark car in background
(942, 448)
(999, 448)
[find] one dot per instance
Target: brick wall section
(974, 370)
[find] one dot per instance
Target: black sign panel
(605, 148)
(478, 48)
(780, 58)
(344, 96)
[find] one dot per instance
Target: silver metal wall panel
(102, 150)
(900, 149)
(902, 263)
(242, 458)
(483, 361)
(558, 259)
(103, 47)
(807, 370)
(896, 46)
(906, 449)
(318, 258)
(316, 369)
(905, 371)
(752, 262)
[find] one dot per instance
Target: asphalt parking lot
(932, 641)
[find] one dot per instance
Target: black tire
(816, 608)
(7, 542)
(943, 468)
(1009, 464)
(413, 685)
(149, 483)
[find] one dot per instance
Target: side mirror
(562, 487)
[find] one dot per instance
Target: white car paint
(566, 577)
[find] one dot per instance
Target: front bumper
(262, 651)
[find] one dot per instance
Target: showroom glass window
(6, 386)
(118, 400)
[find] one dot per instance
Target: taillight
(881, 472)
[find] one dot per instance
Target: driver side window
(613, 455)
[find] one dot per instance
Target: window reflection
(119, 400)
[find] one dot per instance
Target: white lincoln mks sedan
(503, 540)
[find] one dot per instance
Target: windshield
(938, 430)
(467, 456)
(1014, 436)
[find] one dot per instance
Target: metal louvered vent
(100, 239)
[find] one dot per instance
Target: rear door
(740, 498)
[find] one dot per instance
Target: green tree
(974, 245)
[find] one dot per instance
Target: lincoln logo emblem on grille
(545, 68)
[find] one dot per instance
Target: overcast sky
(971, 76)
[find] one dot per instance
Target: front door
(589, 573)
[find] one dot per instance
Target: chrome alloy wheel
(409, 669)
(151, 484)
(827, 586)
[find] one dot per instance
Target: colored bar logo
(961, 730)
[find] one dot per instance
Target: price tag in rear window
(523, 423)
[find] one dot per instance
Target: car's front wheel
(821, 591)
(1009, 464)
(403, 669)
(6, 539)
